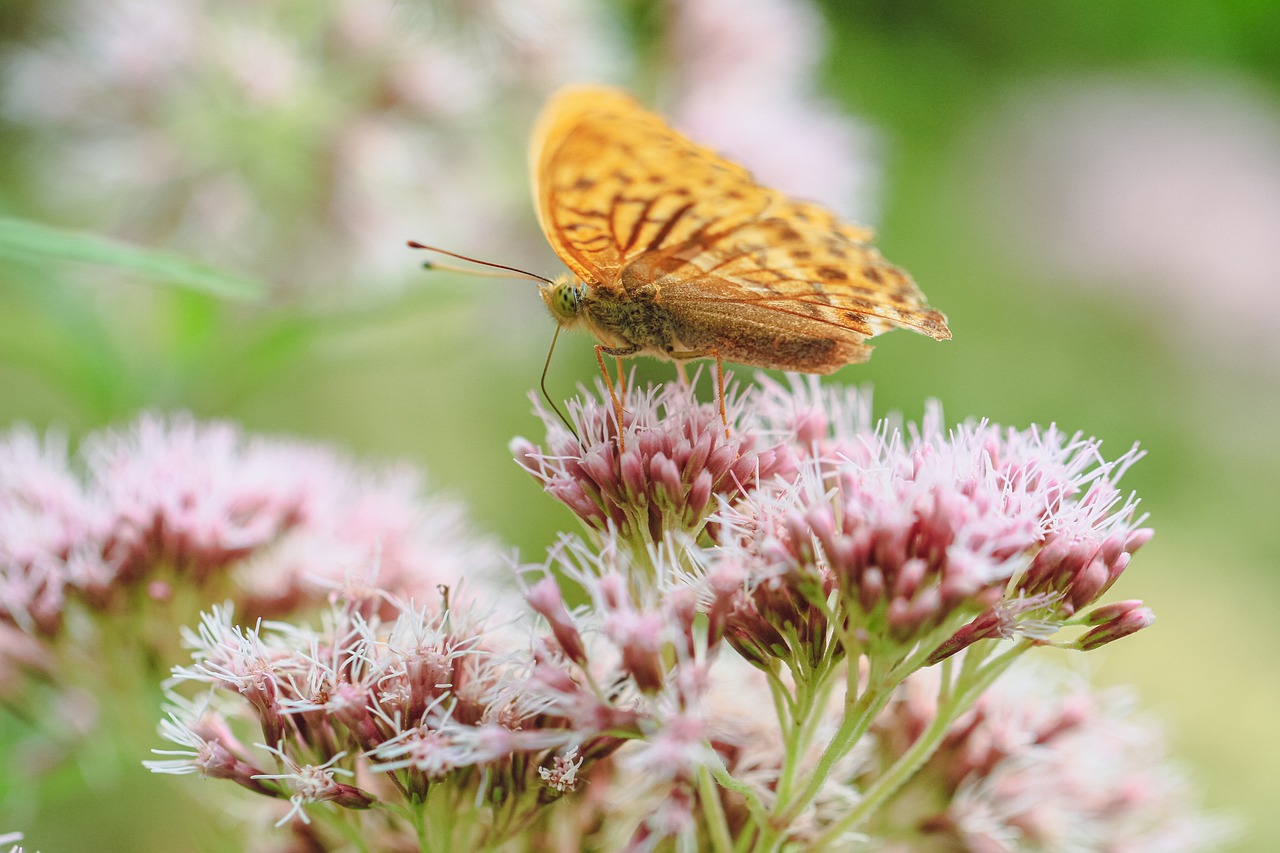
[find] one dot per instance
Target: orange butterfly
(679, 253)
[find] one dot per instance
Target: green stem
(857, 719)
(713, 813)
(792, 735)
(728, 782)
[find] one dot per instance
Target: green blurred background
(1084, 188)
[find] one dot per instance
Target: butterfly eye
(566, 301)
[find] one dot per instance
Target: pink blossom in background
(1162, 192)
(745, 85)
(47, 529)
(1039, 763)
(295, 141)
(170, 502)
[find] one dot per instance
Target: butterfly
(677, 252)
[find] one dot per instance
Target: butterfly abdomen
(760, 346)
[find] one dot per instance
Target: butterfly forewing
(614, 182)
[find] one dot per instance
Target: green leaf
(22, 239)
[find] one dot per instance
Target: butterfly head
(564, 297)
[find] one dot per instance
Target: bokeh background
(1089, 190)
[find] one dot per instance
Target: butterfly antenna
(542, 383)
(516, 272)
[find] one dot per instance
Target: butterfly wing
(743, 270)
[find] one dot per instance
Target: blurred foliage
(439, 371)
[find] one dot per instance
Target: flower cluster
(171, 501)
(913, 529)
(849, 538)
(799, 635)
(433, 707)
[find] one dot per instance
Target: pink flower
(147, 523)
(45, 522)
(199, 499)
(746, 73)
(910, 531)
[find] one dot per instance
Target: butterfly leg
(618, 353)
(724, 419)
(681, 357)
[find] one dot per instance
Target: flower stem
(857, 719)
(713, 813)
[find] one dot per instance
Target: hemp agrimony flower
(1038, 762)
(905, 546)
(863, 553)
(106, 552)
(677, 464)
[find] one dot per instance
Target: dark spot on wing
(832, 274)
(903, 293)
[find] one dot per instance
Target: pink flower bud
(1121, 625)
(544, 597)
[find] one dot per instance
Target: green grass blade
(22, 239)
